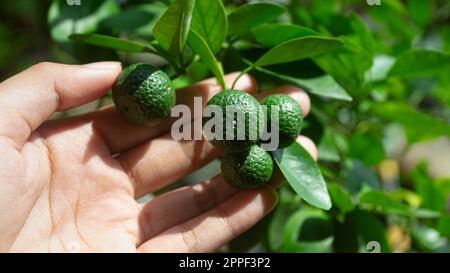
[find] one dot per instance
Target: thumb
(30, 97)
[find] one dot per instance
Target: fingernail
(103, 65)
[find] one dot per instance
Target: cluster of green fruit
(245, 163)
(143, 94)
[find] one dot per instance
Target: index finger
(30, 97)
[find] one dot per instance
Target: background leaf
(432, 197)
(201, 48)
(209, 20)
(308, 230)
(172, 29)
(380, 201)
(66, 20)
(270, 35)
(298, 49)
(420, 126)
(251, 15)
(303, 174)
(324, 86)
(136, 20)
(111, 42)
(420, 62)
(341, 198)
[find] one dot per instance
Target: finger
(111, 124)
(216, 227)
(150, 168)
(164, 211)
(297, 93)
(309, 145)
(29, 98)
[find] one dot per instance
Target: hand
(72, 184)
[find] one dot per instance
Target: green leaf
(111, 42)
(432, 197)
(369, 228)
(324, 86)
(367, 148)
(270, 35)
(172, 29)
(358, 176)
(420, 62)
(328, 148)
(298, 49)
(428, 239)
(303, 174)
(420, 126)
(421, 11)
(308, 223)
(380, 201)
(285, 208)
(341, 198)
(251, 15)
(444, 225)
(347, 65)
(362, 34)
(136, 20)
(201, 48)
(209, 20)
(65, 20)
(380, 68)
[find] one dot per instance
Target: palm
(86, 201)
(72, 185)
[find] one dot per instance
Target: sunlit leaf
(251, 15)
(172, 28)
(303, 174)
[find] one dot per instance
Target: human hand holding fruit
(72, 184)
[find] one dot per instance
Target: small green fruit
(246, 106)
(290, 118)
(249, 169)
(143, 94)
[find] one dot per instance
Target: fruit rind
(143, 94)
(241, 101)
(247, 170)
(290, 118)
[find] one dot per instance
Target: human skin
(71, 185)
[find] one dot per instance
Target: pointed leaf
(209, 20)
(324, 86)
(251, 15)
(172, 29)
(420, 62)
(201, 48)
(298, 49)
(303, 174)
(111, 42)
(270, 35)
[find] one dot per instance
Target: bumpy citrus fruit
(143, 94)
(249, 169)
(244, 125)
(290, 117)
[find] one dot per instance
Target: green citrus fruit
(290, 117)
(249, 169)
(243, 120)
(143, 94)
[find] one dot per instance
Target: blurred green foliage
(378, 77)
